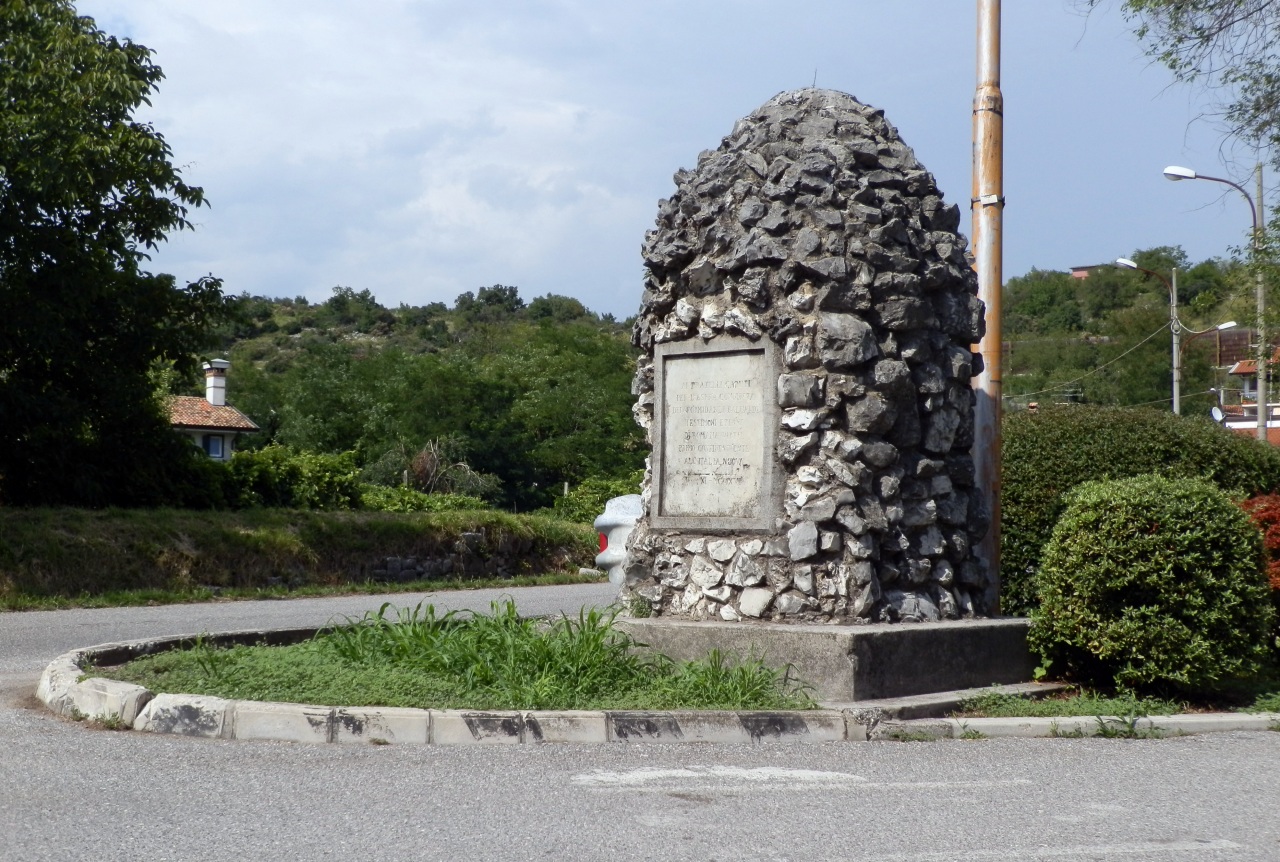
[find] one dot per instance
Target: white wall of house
(218, 445)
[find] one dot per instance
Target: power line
(1167, 400)
(1094, 371)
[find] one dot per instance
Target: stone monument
(805, 381)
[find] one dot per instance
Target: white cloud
(420, 149)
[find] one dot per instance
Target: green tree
(489, 304)
(1042, 301)
(85, 191)
(561, 309)
(1230, 47)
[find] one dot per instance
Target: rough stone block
(465, 727)
(186, 715)
(802, 540)
(104, 698)
(286, 722)
(755, 601)
(56, 682)
(572, 726)
(382, 724)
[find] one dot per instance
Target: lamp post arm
(1253, 210)
(1173, 294)
(1196, 333)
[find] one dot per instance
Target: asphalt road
(69, 793)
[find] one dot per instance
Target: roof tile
(191, 411)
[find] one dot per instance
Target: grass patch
(997, 705)
(417, 658)
(1258, 695)
(85, 558)
(912, 736)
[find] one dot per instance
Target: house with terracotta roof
(210, 422)
(1238, 399)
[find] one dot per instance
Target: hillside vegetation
(492, 397)
(1105, 339)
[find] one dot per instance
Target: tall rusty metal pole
(1264, 355)
(988, 228)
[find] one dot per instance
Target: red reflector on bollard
(604, 543)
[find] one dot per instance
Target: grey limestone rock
(812, 229)
(755, 601)
(800, 390)
(802, 540)
(845, 341)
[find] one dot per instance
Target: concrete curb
(64, 692)
(1149, 727)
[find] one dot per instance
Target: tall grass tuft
(418, 657)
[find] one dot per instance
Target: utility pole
(987, 206)
(1263, 408)
(1178, 173)
(1175, 327)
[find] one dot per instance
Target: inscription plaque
(716, 437)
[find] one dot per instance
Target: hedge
(77, 552)
(1152, 584)
(1048, 453)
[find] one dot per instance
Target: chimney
(215, 381)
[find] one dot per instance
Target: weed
(967, 732)
(1056, 732)
(214, 663)
(76, 714)
(998, 705)
(378, 740)
(1125, 727)
(109, 721)
(639, 607)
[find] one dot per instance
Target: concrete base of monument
(864, 662)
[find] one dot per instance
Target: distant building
(209, 421)
(1239, 398)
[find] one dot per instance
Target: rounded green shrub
(1154, 584)
(1048, 453)
(585, 502)
(275, 476)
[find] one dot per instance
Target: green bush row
(1047, 454)
(585, 503)
(82, 552)
(278, 477)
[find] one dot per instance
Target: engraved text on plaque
(715, 437)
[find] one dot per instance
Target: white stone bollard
(620, 515)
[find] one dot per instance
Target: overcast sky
(422, 148)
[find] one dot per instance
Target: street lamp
(1175, 326)
(1176, 173)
